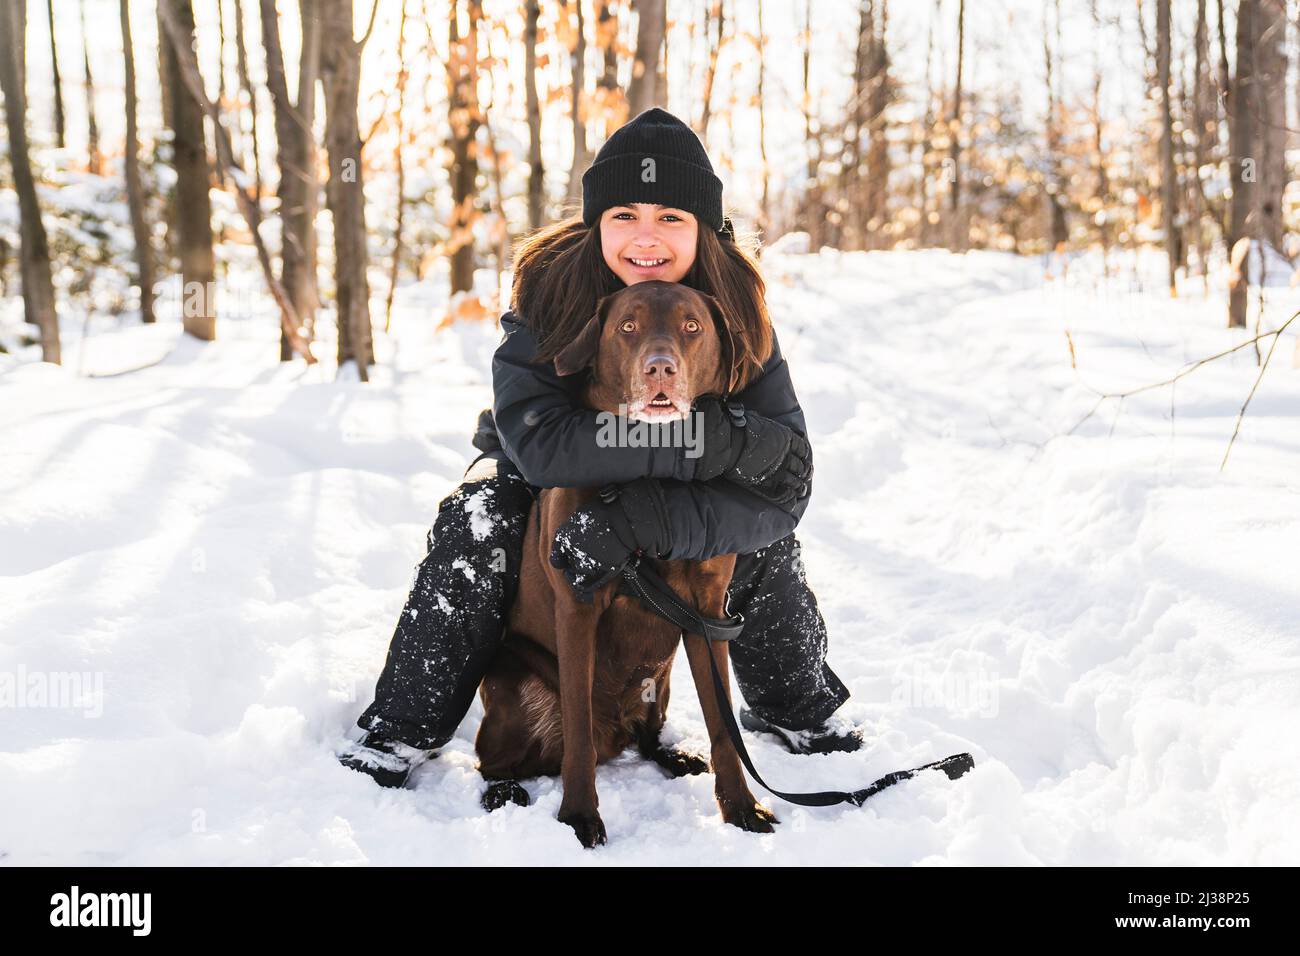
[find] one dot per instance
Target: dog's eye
(692, 325)
(627, 325)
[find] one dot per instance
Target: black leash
(643, 581)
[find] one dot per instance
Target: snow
(203, 562)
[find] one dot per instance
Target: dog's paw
(501, 792)
(680, 763)
(589, 828)
(749, 816)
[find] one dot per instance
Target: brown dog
(575, 684)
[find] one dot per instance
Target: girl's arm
(709, 518)
(552, 442)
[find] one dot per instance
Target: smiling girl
(652, 209)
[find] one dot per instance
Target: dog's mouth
(658, 408)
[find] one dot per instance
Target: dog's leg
(575, 640)
(738, 806)
(678, 763)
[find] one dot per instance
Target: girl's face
(648, 241)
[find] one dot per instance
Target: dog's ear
(581, 352)
(726, 342)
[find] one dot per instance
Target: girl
(652, 209)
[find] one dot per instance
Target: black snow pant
(455, 618)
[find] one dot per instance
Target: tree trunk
(536, 173)
(613, 103)
(462, 76)
(1054, 186)
(661, 74)
(296, 161)
(131, 168)
(58, 83)
(1270, 70)
(501, 227)
(1225, 89)
(811, 212)
(1244, 107)
(879, 94)
(93, 163)
(246, 87)
(1201, 111)
(192, 224)
(38, 282)
(578, 69)
(1168, 175)
(932, 97)
(395, 265)
(854, 176)
(645, 67)
(958, 239)
(340, 71)
(715, 13)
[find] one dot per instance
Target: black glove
(770, 459)
(599, 539)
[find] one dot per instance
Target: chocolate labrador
(575, 684)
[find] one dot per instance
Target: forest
(305, 159)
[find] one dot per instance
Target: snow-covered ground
(201, 564)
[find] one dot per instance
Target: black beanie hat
(654, 158)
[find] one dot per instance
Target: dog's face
(653, 347)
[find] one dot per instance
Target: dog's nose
(661, 365)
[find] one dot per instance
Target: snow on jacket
(540, 424)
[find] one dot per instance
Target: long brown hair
(560, 274)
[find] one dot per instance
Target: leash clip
(609, 494)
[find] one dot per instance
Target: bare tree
(465, 117)
(399, 213)
(958, 239)
(577, 58)
(340, 72)
(1168, 175)
(246, 87)
(609, 95)
(1243, 104)
(296, 160)
(536, 172)
(651, 19)
(92, 127)
(38, 283)
(1204, 120)
(879, 92)
(812, 211)
(131, 169)
(1271, 71)
(501, 227)
(1054, 185)
(853, 174)
(58, 83)
(714, 14)
(192, 210)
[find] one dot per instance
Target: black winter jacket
(540, 424)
